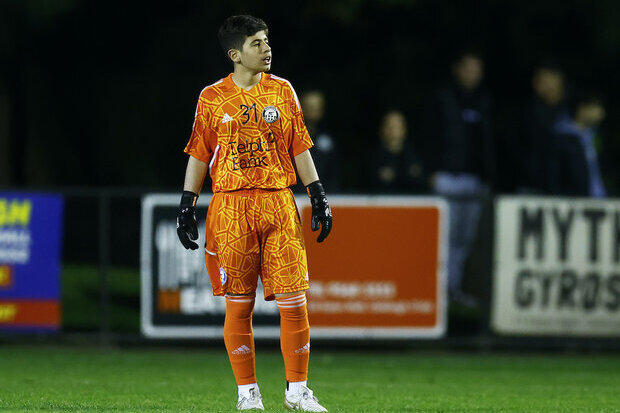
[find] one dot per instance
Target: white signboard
(556, 267)
(176, 297)
(399, 293)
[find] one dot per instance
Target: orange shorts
(255, 232)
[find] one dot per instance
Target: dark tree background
(102, 93)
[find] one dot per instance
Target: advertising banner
(379, 274)
(176, 296)
(557, 267)
(30, 246)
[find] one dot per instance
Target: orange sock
(239, 338)
(294, 336)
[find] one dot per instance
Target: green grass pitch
(90, 380)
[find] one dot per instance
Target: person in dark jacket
(394, 165)
(541, 113)
(574, 164)
(325, 149)
(461, 153)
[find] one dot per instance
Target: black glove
(321, 214)
(187, 227)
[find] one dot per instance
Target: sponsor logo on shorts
(223, 276)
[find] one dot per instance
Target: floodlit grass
(90, 380)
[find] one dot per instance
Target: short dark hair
(235, 29)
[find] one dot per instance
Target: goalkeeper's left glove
(187, 227)
(321, 213)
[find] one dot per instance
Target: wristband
(315, 189)
(188, 199)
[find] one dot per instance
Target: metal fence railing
(101, 264)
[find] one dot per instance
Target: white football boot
(303, 401)
(252, 400)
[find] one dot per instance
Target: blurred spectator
(461, 153)
(324, 153)
(574, 164)
(394, 165)
(541, 113)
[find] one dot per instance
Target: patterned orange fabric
(252, 232)
(239, 338)
(294, 336)
(249, 138)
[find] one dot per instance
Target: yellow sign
(13, 212)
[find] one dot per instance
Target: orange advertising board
(380, 273)
(28, 313)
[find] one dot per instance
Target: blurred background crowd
(520, 97)
(555, 149)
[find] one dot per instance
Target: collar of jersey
(263, 81)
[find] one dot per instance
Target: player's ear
(233, 54)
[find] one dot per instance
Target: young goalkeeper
(249, 134)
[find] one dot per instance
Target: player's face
(256, 53)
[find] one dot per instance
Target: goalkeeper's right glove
(187, 227)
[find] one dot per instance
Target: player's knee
(239, 307)
(293, 306)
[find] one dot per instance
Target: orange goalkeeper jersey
(249, 137)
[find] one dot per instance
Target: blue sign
(30, 247)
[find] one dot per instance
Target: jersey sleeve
(201, 142)
(301, 138)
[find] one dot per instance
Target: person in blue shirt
(575, 165)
